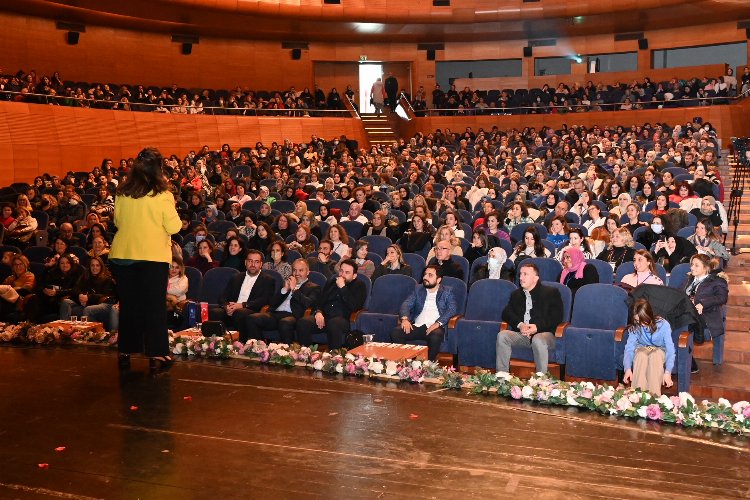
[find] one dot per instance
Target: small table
(77, 326)
(230, 336)
(393, 352)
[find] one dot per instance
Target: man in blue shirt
(425, 313)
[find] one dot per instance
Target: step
(729, 381)
(736, 350)
(738, 324)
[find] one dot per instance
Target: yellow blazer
(144, 226)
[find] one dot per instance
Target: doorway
(368, 74)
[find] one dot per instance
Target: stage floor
(233, 429)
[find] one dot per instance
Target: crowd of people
(563, 98)
(577, 98)
(43, 89)
(575, 195)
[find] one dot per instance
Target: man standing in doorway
(391, 89)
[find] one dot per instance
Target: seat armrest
(453, 320)
(265, 308)
(560, 330)
(503, 325)
(308, 311)
(619, 333)
(355, 315)
(684, 339)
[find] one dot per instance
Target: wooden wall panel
(35, 139)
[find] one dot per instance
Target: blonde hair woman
(445, 233)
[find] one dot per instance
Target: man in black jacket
(287, 306)
(391, 89)
(445, 262)
(533, 313)
(339, 299)
(244, 295)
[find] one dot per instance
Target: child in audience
(649, 351)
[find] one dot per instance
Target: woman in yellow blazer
(140, 256)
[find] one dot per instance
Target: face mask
(493, 262)
(199, 238)
(657, 228)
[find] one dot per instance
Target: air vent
(530, 1)
(549, 42)
(332, 2)
(441, 3)
(622, 37)
(743, 24)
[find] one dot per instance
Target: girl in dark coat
(58, 284)
(709, 291)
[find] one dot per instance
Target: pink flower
(350, 368)
(746, 412)
(653, 412)
(515, 392)
(675, 402)
(315, 356)
(587, 393)
(264, 356)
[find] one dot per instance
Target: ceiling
(386, 20)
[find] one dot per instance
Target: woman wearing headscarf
(576, 272)
(710, 210)
(493, 269)
(672, 251)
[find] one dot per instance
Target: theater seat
(388, 293)
(476, 332)
(590, 344)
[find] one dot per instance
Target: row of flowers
(46, 334)
(620, 401)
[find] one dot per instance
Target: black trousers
(336, 329)
(237, 321)
(143, 307)
(434, 340)
(282, 321)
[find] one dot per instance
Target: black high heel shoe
(123, 361)
(160, 364)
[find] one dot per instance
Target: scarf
(496, 258)
(577, 263)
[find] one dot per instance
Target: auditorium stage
(232, 429)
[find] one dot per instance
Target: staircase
(732, 379)
(379, 130)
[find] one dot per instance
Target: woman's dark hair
(282, 245)
(641, 314)
(103, 274)
(145, 177)
(538, 245)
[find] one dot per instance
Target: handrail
(408, 108)
(570, 108)
(209, 110)
(353, 111)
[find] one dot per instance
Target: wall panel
(35, 139)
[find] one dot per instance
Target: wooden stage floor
(248, 431)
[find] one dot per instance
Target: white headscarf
(496, 257)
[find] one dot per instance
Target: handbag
(354, 339)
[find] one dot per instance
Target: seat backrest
(353, 229)
(378, 244)
(461, 261)
(459, 292)
(600, 306)
(549, 268)
(368, 285)
(679, 275)
(487, 299)
(516, 234)
(317, 278)
(214, 282)
(283, 206)
(389, 292)
(277, 278)
(37, 254)
(417, 264)
(195, 283)
(606, 275)
(567, 297)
